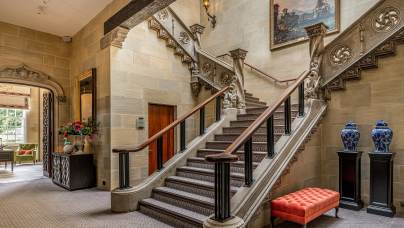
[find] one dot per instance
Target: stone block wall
(379, 95)
(42, 52)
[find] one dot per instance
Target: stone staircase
(187, 198)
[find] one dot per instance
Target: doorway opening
(26, 139)
(160, 116)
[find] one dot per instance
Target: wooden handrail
(247, 134)
(262, 72)
(172, 125)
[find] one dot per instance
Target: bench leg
(273, 221)
(304, 226)
(336, 212)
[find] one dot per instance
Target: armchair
(26, 152)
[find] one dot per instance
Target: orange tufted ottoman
(304, 205)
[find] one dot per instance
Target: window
(12, 125)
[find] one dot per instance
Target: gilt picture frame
(289, 17)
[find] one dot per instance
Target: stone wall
(379, 95)
(33, 126)
(245, 24)
(42, 52)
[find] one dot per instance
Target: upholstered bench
(304, 205)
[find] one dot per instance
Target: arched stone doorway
(24, 75)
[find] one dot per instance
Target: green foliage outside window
(12, 125)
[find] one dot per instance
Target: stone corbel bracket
(115, 38)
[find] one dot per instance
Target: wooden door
(47, 139)
(160, 116)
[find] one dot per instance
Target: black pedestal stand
(350, 179)
(381, 184)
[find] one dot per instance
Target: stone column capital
(197, 29)
(114, 38)
(318, 29)
(238, 54)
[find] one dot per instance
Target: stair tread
(203, 159)
(202, 183)
(232, 142)
(207, 171)
(190, 215)
(185, 195)
(239, 151)
(255, 134)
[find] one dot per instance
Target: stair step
(236, 179)
(247, 123)
(255, 104)
(200, 162)
(193, 202)
(278, 129)
(257, 155)
(252, 99)
(257, 146)
(204, 188)
(170, 214)
(259, 110)
(253, 116)
(256, 137)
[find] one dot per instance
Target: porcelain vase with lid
(382, 136)
(350, 136)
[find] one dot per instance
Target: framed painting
(288, 18)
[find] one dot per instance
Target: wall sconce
(211, 18)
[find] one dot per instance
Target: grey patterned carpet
(39, 203)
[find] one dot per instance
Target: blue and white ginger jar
(382, 136)
(350, 136)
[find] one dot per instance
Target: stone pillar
(316, 34)
(197, 31)
(238, 56)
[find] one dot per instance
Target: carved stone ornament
(184, 38)
(238, 54)
(226, 79)
(232, 98)
(197, 29)
(340, 54)
(23, 74)
(162, 15)
(208, 70)
(114, 38)
(195, 84)
(386, 19)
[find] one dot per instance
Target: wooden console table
(73, 172)
(7, 155)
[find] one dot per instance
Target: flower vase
(350, 136)
(79, 144)
(382, 136)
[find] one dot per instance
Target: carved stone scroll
(316, 34)
(114, 38)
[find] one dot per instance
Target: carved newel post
(197, 31)
(235, 97)
(316, 35)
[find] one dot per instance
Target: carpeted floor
(39, 203)
(22, 172)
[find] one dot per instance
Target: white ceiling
(59, 17)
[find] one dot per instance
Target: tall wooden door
(47, 139)
(160, 116)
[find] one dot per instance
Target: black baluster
(160, 153)
(202, 121)
(123, 170)
(301, 100)
(218, 108)
(270, 137)
(182, 136)
(288, 119)
(248, 162)
(222, 191)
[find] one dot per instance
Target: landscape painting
(290, 17)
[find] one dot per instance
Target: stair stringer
(268, 173)
(126, 200)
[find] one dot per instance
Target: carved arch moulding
(23, 74)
